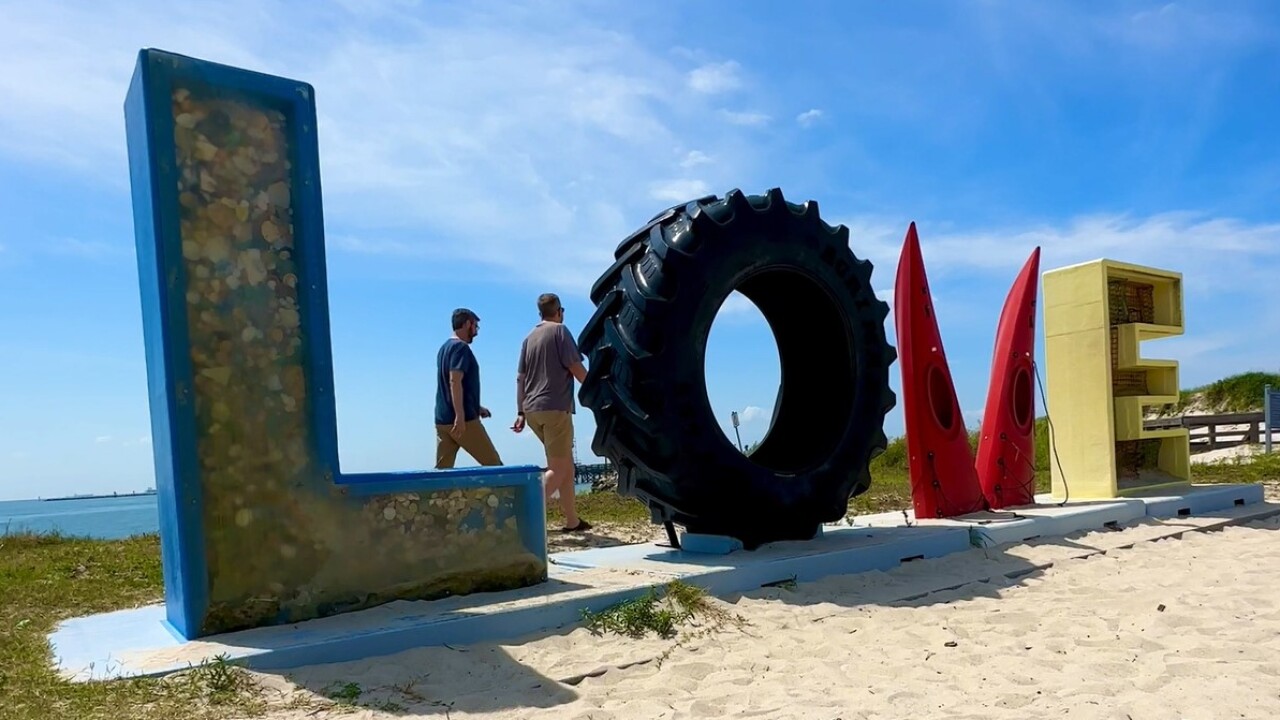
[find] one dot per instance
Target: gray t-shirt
(545, 357)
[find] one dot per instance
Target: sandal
(582, 526)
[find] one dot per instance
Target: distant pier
(100, 497)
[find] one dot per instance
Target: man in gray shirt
(549, 363)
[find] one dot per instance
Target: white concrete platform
(135, 642)
(1054, 518)
(1047, 519)
(1200, 499)
(1022, 523)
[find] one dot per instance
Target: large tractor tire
(646, 382)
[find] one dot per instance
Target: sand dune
(1178, 628)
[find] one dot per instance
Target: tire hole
(817, 370)
(741, 365)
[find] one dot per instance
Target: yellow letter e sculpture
(1097, 314)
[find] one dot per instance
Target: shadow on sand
(542, 670)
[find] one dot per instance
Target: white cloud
(751, 414)
(529, 125)
(1200, 345)
(885, 295)
(1176, 28)
(738, 304)
(809, 117)
(375, 246)
(1225, 263)
(746, 119)
(1209, 251)
(86, 249)
(529, 129)
(738, 311)
(716, 77)
(675, 191)
(80, 125)
(694, 158)
(112, 440)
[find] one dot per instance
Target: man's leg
(537, 422)
(557, 436)
(478, 444)
(446, 448)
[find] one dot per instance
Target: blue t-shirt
(457, 355)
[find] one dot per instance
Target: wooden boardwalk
(1214, 432)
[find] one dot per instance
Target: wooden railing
(1213, 432)
(583, 474)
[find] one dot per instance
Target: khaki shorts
(555, 429)
(475, 441)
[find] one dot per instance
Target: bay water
(110, 518)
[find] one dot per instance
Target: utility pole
(1269, 419)
(734, 415)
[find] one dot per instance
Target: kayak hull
(1006, 445)
(940, 462)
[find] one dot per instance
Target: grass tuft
(663, 614)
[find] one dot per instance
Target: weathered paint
(258, 524)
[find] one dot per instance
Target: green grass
(47, 578)
(1261, 468)
(1237, 393)
(603, 507)
(664, 612)
(658, 612)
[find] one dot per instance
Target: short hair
(461, 316)
(548, 304)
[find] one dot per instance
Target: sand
(1227, 455)
(1177, 628)
(604, 534)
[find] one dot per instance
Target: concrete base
(1022, 523)
(709, 544)
(1044, 519)
(1199, 499)
(1050, 518)
(136, 642)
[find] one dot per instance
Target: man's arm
(570, 355)
(521, 367)
(455, 393)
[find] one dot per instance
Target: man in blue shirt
(458, 408)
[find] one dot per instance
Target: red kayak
(943, 480)
(1007, 449)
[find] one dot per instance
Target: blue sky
(459, 140)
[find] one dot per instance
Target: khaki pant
(475, 440)
(555, 429)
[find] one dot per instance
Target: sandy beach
(1174, 628)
